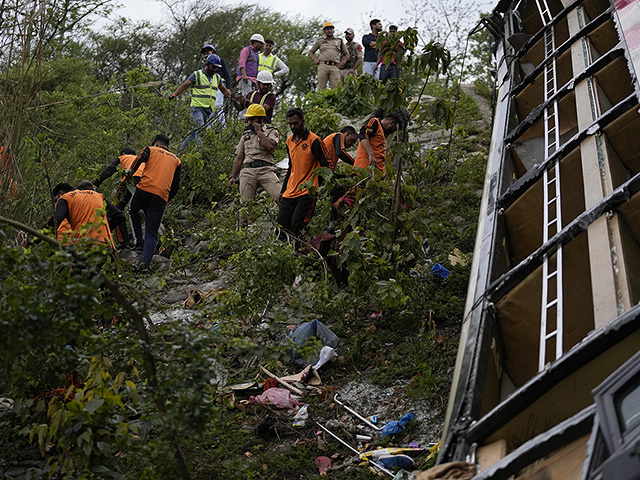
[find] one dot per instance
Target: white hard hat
(264, 77)
(257, 37)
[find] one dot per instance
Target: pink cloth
(276, 397)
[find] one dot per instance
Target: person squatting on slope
(88, 214)
(306, 152)
(377, 127)
(254, 164)
(338, 143)
(159, 183)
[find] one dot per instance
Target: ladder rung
(551, 304)
(552, 274)
(551, 335)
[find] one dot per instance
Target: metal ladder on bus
(551, 326)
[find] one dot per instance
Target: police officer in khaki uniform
(355, 55)
(254, 156)
(332, 56)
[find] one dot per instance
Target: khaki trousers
(328, 73)
(253, 177)
(344, 73)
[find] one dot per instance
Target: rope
(117, 90)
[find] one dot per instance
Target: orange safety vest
(127, 162)
(329, 143)
(303, 163)
(86, 215)
(375, 134)
(158, 173)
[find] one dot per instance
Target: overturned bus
(547, 380)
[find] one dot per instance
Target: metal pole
(356, 414)
(371, 462)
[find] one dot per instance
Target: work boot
(122, 245)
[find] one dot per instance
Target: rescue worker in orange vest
(373, 142)
(204, 86)
(64, 228)
(88, 213)
(254, 157)
(126, 159)
(306, 152)
(125, 189)
(159, 183)
(262, 96)
(338, 143)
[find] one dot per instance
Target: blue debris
(394, 427)
(438, 269)
(397, 461)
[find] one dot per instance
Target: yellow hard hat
(328, 24)
(255, 110)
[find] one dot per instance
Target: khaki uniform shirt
(330, 50)
(355, 52)
(250, 145)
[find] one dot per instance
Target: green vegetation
(81, 399)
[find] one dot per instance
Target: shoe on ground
(143, 269)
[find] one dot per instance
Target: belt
(330, 63)
(257, 163)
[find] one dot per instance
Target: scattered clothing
(304, 332)
(438, 269)
(276, 397)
